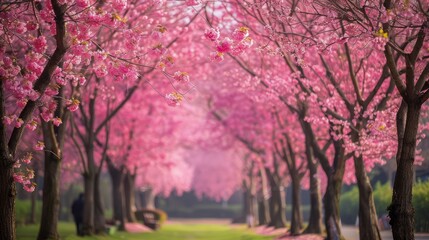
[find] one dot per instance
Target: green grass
(167, 232)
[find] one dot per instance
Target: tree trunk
(117, 177)
(277, 202)
(401, 210)
(88, 217)
(331, 202)
(263, 205)
(149, 199)
(242, 217)
(7, 198)
(130, 198)
(296, 221)
(263, 213)
(99, 219)
(51, 195)
(368, 221)
(315, 220)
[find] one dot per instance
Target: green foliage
(382, 198)
(349, 203)
(23, 211)
(349, 206)
(168, 232)
(421, 206)
(205, 211)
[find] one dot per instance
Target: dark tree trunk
(252, 210)
(51, 195)
(8, 148)
(7, 198)
(99, 219)
(334, 173)
(277, 201)
(263, 204)
(331, 201)
(368, 221)
(401, 210)
(263, 212)
(296, 221)
(117, 178)
(130, 198)
(315, 220)
(88, 217)
(244, 206)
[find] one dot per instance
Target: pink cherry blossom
(73, 104)
(212, 34)
(19, 177)
(9, 119)
(57, 121)
(181, 76)
(240, 33)
(27, 158)
(29, 187)
(217, 56)
(32, 125)
(40, 45)
(225, 45)
(39, 146)
(174, 98)
(19, 123)
(192, 2)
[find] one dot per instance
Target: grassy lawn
(167, 232)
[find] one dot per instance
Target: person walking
(77, 211)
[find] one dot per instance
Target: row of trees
(70, 69)
(314, 90)
(350, 75)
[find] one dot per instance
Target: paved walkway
(352, 233)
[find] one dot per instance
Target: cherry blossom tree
(399, 29)
(33, 45)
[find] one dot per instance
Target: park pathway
(349, 232)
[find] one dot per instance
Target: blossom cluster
(236, 44)
(25, 176)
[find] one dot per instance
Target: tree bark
(51, 195)
(7, 198)
(331, 202)
(315, 220)
(117, 177)
(99, 219)
(296, 221)
(130, 198)
(88, 218)
(263, 205)
(401, 210)
(277, 201)
(368, 221)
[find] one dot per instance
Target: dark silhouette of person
(77, 211)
